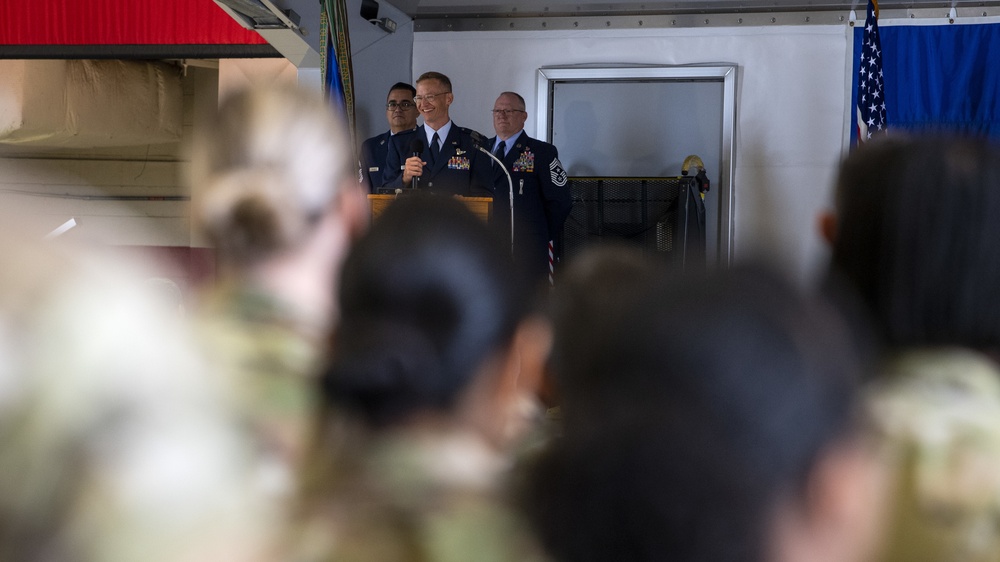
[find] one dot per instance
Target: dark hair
(427, 295)
(444, 80)
(594, 287)
(728, 388)
(402, 86)
(917, 238)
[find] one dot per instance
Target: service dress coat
(459, 169)
(372, 159)
(542, 201)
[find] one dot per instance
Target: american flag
(871, 89)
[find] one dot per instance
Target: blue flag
(337, 67)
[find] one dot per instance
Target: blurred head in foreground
(433, 361)
(431, 313)
(729, 434)
(274, 193)
(915, 234)
(596, 286)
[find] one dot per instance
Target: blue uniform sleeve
(364, 167)
(557, 199)
(392, 175)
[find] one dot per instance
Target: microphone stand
(510, 183)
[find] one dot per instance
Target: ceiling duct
(282, 27)
(259, 14)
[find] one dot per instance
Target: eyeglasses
(507, 112)
(404, 105)
(429, 97)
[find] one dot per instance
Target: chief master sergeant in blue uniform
(450, 163)
(401, 112)
(542, 198)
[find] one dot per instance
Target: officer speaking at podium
(450, 162)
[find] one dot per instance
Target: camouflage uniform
(268, 356)
(114, 444)
(425, 496)
(938, 414)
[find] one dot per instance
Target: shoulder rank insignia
(557, 173)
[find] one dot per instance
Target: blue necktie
(435, 149)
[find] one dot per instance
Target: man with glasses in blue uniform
(542, 198)
(401, 112)
(447, 158)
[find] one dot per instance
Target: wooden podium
(480, 206)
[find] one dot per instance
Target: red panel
(120, 22)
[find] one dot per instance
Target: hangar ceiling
(467, 15)
(418, 9)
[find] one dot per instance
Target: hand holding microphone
(413, 168)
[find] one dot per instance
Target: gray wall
(641, 128)
(636, 128)
(380, 60)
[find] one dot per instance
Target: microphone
(416, 149)
(477, 138)
(510, 180)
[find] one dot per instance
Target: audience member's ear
(840, 516)
(502, 401)
(533, 342)
(352, 208)
(827, 224)
(524, 376)
(522, 370)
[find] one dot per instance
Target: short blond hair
(432, 75)
(265, 169)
